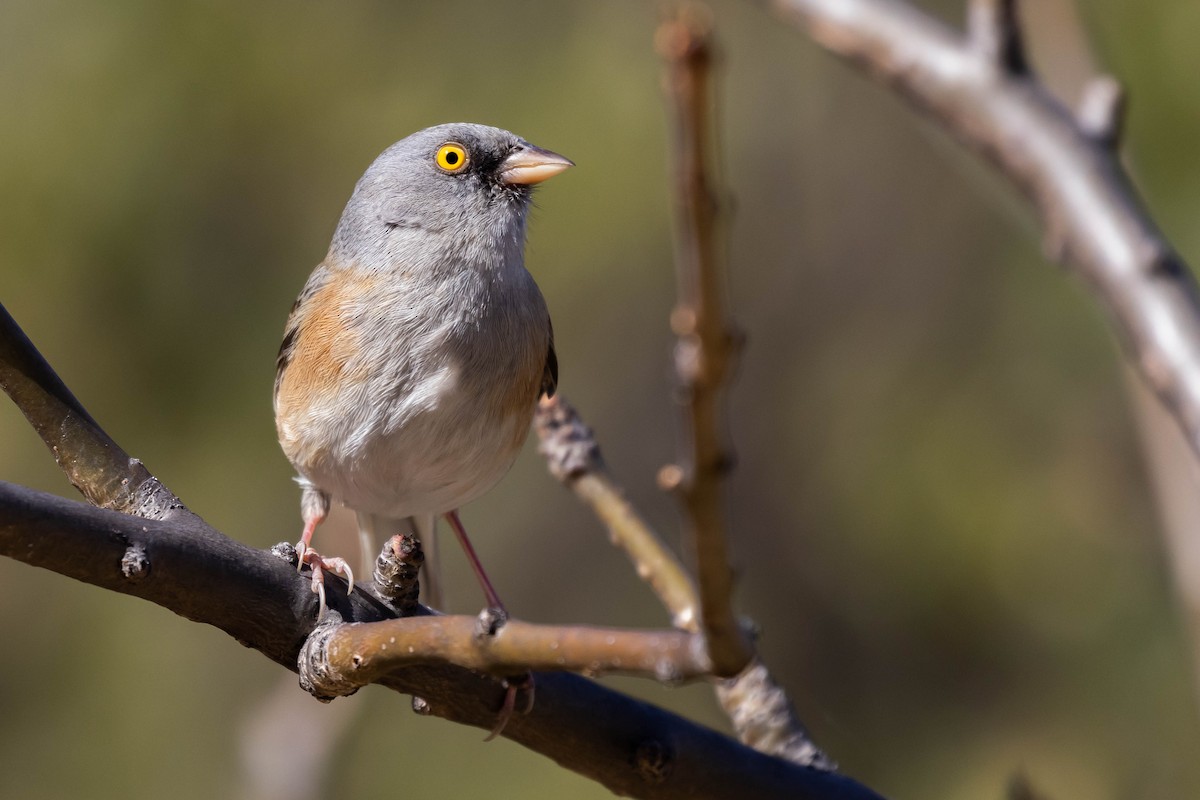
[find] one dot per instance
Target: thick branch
(260, 600)
(705, 350)
(1091, 215)
(104, 473)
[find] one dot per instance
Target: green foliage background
(941, 516)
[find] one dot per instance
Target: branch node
(653, 760)
(135, 564)
(764, 718)
(397, 573)
(568, 445)
(286, 551)
(994, 32)
(683, 321)
(489, 622)
(1101, 113)
(670, 477)
(318, 675)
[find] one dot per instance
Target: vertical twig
(706, 347)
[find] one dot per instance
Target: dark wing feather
(292, 329)
(550, 371)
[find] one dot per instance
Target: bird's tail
(425, 529)
(374, 529)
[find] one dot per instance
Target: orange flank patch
(324, 355)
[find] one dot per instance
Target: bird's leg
(496, 614)
(493, 599)
(314, 506)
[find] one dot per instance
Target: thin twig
(573, 456)
(995, 33)
(342, 658)
(706, 348)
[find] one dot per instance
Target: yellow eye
(451, 157)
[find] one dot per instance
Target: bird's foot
(320, 564)
(512, 687)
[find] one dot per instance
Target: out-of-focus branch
(103, 472)
(706, 347)
(1067, 165)
(340, 659)
(758, 707)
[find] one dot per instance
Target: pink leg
(489, 591)
(511, 685)
(314, 505)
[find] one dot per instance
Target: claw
(319, 565)
(318, 586)
(511, 687)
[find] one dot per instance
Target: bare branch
(706, 348)
(574, 458)
(994, 32)
(1093, 220)
(260, 600)
(339, 659)
(1102, 111)
(764, 718)
(104, 473)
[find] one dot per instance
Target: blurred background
(941, 514)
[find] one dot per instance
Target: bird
(417, 350)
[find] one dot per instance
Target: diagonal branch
(1092, 217)
(573, 456)
(759, 708)
(706, 348)
(103, 472)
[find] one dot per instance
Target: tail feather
(373, 530)
(425, 529)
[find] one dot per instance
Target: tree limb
(706, 348)
(1092, 218)
(104, 473)
(344, 658)
(260, 600)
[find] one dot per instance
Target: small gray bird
(416, 353)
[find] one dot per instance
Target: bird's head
(459, 190)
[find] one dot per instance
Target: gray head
(449, 196)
